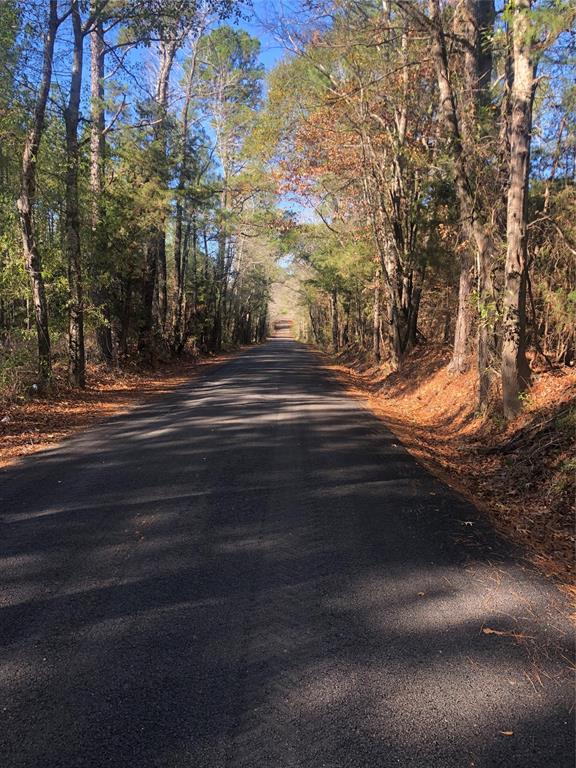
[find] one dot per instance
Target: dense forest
(133, 225)
(403, 176)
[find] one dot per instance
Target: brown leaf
(503, 633)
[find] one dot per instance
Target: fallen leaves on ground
(523, 473)
(32, 424)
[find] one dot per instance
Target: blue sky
(271, 51)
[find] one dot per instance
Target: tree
(27, 197)
(171, 25)
(527, 47)
(101, 298)
(76, 351)
(473, 208)
(230, 89)
(152, 216)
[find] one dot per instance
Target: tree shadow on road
(254, 573)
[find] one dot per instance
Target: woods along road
(251, 571)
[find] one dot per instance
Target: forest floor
(31, 423)
(522, 474)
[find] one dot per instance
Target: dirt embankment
(522, 473)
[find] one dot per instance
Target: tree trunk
(399, 256)
(486, 317)
(167, 53)
(220, 276)
(146, 332)
(414, 308)
(480, 17)
(194, 266)
(25, 203)
(155, 274)
(219, 292)
(100, 295)
(345, 330)
(376, 319)
(335, 320)
(181, 243)
(393, 302)
(162, 278)
(313, 328)
(181, 249)
(477, 25)
(472, 220)
(76, 354)
(459, 361)
(125, 315)
(515, 368)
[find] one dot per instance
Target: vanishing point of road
(251, 571)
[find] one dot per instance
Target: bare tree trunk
(345, 330)
(194, 249)
(167, 53)
(476, 19)
(181, 243)
(76, 353)
(335, 320)
(394, 321)
(459, 361)
(26, 202)
(181, 250)
(485, 324)
(219, 291)
(220, 273)
(473, 225)
(155, 273)
(477, 24)
(393, 299)
(480, 16)
(388, 268)
(399, 253)
(168, 50)
(97, 149)
(515, 368)
(414, 308)
(179, 275)
(376, 319)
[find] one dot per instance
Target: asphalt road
(252, 572)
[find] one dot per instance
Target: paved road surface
(251, 572)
